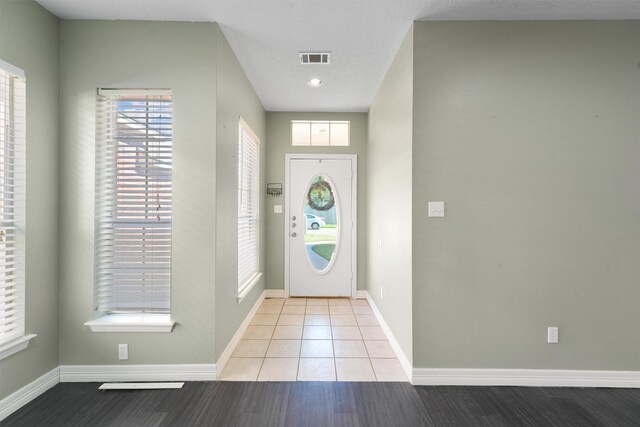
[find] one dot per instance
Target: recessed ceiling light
(314, 82)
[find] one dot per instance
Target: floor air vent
(139, 386)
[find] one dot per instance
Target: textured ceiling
(363, 36)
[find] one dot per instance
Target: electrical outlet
(123, 351)
(552, 335)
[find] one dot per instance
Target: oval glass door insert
(321, 231)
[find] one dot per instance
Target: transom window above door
(308, 133)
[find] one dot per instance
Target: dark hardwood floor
(329, 404)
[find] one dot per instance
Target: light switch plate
(277, 208)
(436, 209)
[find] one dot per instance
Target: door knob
(293, 234)
(293, 218)
(293, 225)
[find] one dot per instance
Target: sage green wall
(529, 132)
(279, 137)
(127, 54)
(389, 206)
(235, 98)
(29, 39)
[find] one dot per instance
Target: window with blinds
(133, 201)
(248, 206)
(12, 201)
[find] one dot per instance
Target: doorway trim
(354, 213)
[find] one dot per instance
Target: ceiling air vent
(315, 57)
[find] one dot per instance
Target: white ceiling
(363, 36)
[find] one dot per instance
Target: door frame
(354, 213)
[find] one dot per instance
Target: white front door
(320, 225)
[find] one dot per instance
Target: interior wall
(235, 98)
(528, 131)
(29, 39)
(389, 177)
(279, 137)
(129, 54)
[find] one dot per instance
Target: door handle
(293, 234)
(293, 225)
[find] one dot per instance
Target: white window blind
(133, 201)
(12, 201)
(248, 205)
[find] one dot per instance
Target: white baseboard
(226, 354)
(274, 293)
(526, 377)
(107, 373)
(26, 394)
(362, 294)
(402, 358)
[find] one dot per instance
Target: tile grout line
(260, 370)
(304, 321)
(268, 345)
(335, 365)
(368, 356)
(367, 350)
(333, 343)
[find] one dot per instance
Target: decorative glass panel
(321, 231)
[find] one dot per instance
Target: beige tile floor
(313, 339)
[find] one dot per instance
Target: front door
(320, 225)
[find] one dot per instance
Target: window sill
(146, 322)
(15, 345)
(244, 291)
